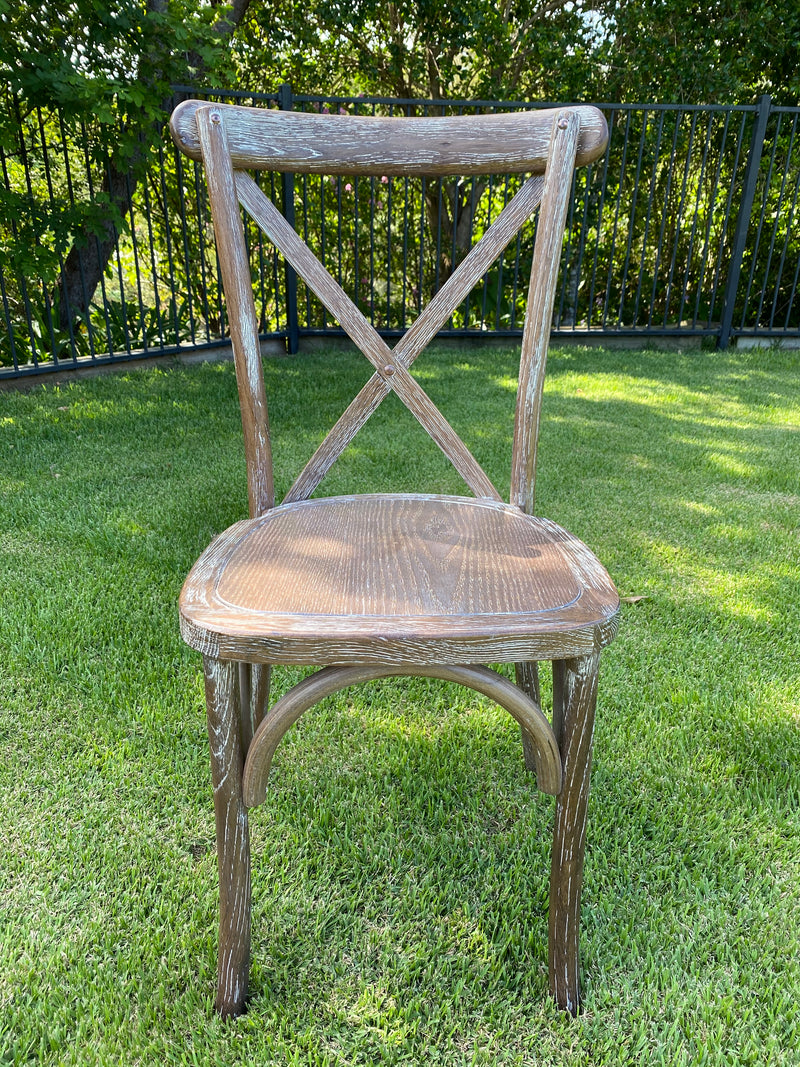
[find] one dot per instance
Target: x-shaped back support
(230, 186)
(391, 365)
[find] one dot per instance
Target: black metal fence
(687, 227)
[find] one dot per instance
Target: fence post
(743, 219)
(286, 102)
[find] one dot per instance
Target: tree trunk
(450, 219)
(91, 252)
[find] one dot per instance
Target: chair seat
(406, 579)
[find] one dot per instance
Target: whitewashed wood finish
(394, 584)
(527, 678)
(398, 578)
(245, 704)
(261, 139)
(364, 335)
(574, 701)
(260, 678)
(424, 329)
(405, 651)
(545, 752)
(233, 835)
(253, 697)
(235, 269)
(539, 313)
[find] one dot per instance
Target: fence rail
(686, 227)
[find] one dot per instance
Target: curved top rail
(264, 139)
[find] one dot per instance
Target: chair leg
(527, 677)
(259, 693)
(254, 681)
(574, 700)
(233, 839)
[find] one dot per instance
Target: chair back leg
(574, 701)
(223, 701)
(527, 675)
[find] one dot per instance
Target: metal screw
(562, 123)
(388, 370)
(216, 118)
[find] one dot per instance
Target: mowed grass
(401, 859)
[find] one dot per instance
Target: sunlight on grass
(400, 863)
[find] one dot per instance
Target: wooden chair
(393, 584)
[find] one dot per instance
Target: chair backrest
(546, 144)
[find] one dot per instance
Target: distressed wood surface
(545, 752)
(262, 139)
(394, 584)
(364, 335)
(247, 726)
(260, 678)
(574, 700)
(404, 650)
(233, 840)
(423, 330)
(413, 576)
(539, 311)
(254, 679)
(527, 678)
(235, 270)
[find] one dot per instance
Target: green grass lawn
(401, 859)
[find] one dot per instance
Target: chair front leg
(233, 838)
(574, 701)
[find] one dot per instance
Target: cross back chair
(371, 586)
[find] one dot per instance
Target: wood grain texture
(233, 839)
(244, 698)
(402, 649)
(260, 678)
(235, 270)
(539, 312)
(575, 697)
(424, 329)
(364, 335)
(527, 678)
(253, 697)
(394, 584)
(286, 712)
(395, 566)
(350, 579)
(261, 139)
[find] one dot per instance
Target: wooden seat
(449, 577)
(386, 584)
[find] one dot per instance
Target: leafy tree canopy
(117, 60)
(431, 48)
(92, 77)
(89, 56)
(687, 51)
(624, 50)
